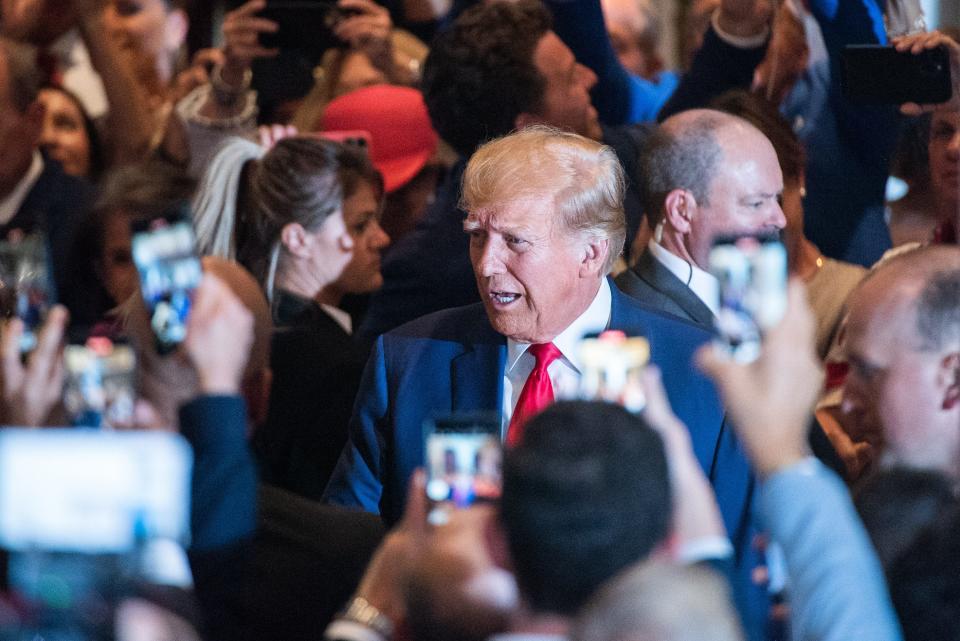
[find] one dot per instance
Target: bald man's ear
(950, 377)
(594, 257)
(679, 209)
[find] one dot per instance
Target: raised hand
(919, 42)
(241, 33)
(219, 336)
(367, 28)
(771, 399)
(30, 392)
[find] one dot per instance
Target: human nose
(380, 238)
(587, 78)
(776, 217)
(488, 259)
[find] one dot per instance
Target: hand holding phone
(243, 31)
(219, 336)
(164, 251)
(464, 459)
(302, 26)
(875, 74)
(919, 42)
(752, 275)
(31, 390)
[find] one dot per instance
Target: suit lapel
(476, 376)
(651, 271)
(697, 407)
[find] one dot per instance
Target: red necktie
(537, 392)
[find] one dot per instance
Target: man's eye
(513, 240)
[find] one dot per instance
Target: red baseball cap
(402, 139)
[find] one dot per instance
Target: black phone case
(875, 74)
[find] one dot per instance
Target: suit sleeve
(836, 586)
(718, 67)
(224, 486)
(357, 480)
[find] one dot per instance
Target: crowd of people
(424, 217)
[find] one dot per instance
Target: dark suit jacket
(280, 574)
(316, 372)
(453, 361)
(429, 269)
(54, 206)
(650, 282)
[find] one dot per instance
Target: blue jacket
(453, 360)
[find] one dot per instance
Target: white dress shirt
(10, 205)
(703, 284)
(339, 316)
(565, 371)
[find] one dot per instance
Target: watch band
(361, 611)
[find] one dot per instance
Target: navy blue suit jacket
(454, 361)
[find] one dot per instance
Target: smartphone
(752, 292)
(464, 462)
(92, 491)
(354, 138)
(164, 252)
(99, 389)
(26, 285)
(306, 27)
(877, 74)
(612, 366)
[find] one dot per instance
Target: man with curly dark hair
(500, 67)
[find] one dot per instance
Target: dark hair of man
(925, 583)
(585, 494)
(764, 115)
(938, 311)
(300, 180)
(480, 73)
(23, 76)
(686, 159)
(898, 503)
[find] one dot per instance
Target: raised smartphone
(752, 292)
(877, 74)
(464, 458)
(164, 251)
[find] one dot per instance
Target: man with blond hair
(545, 219)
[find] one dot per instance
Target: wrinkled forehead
(882, 314)
(534, 212)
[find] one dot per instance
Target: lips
(503, 298)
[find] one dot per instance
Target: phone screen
(26, 287)
(99, 389)
(752, 274)
(464, 461)
(164, 251)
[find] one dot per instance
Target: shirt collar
(701, 283)
(10, 205)
(594, 320)
(339, 316)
